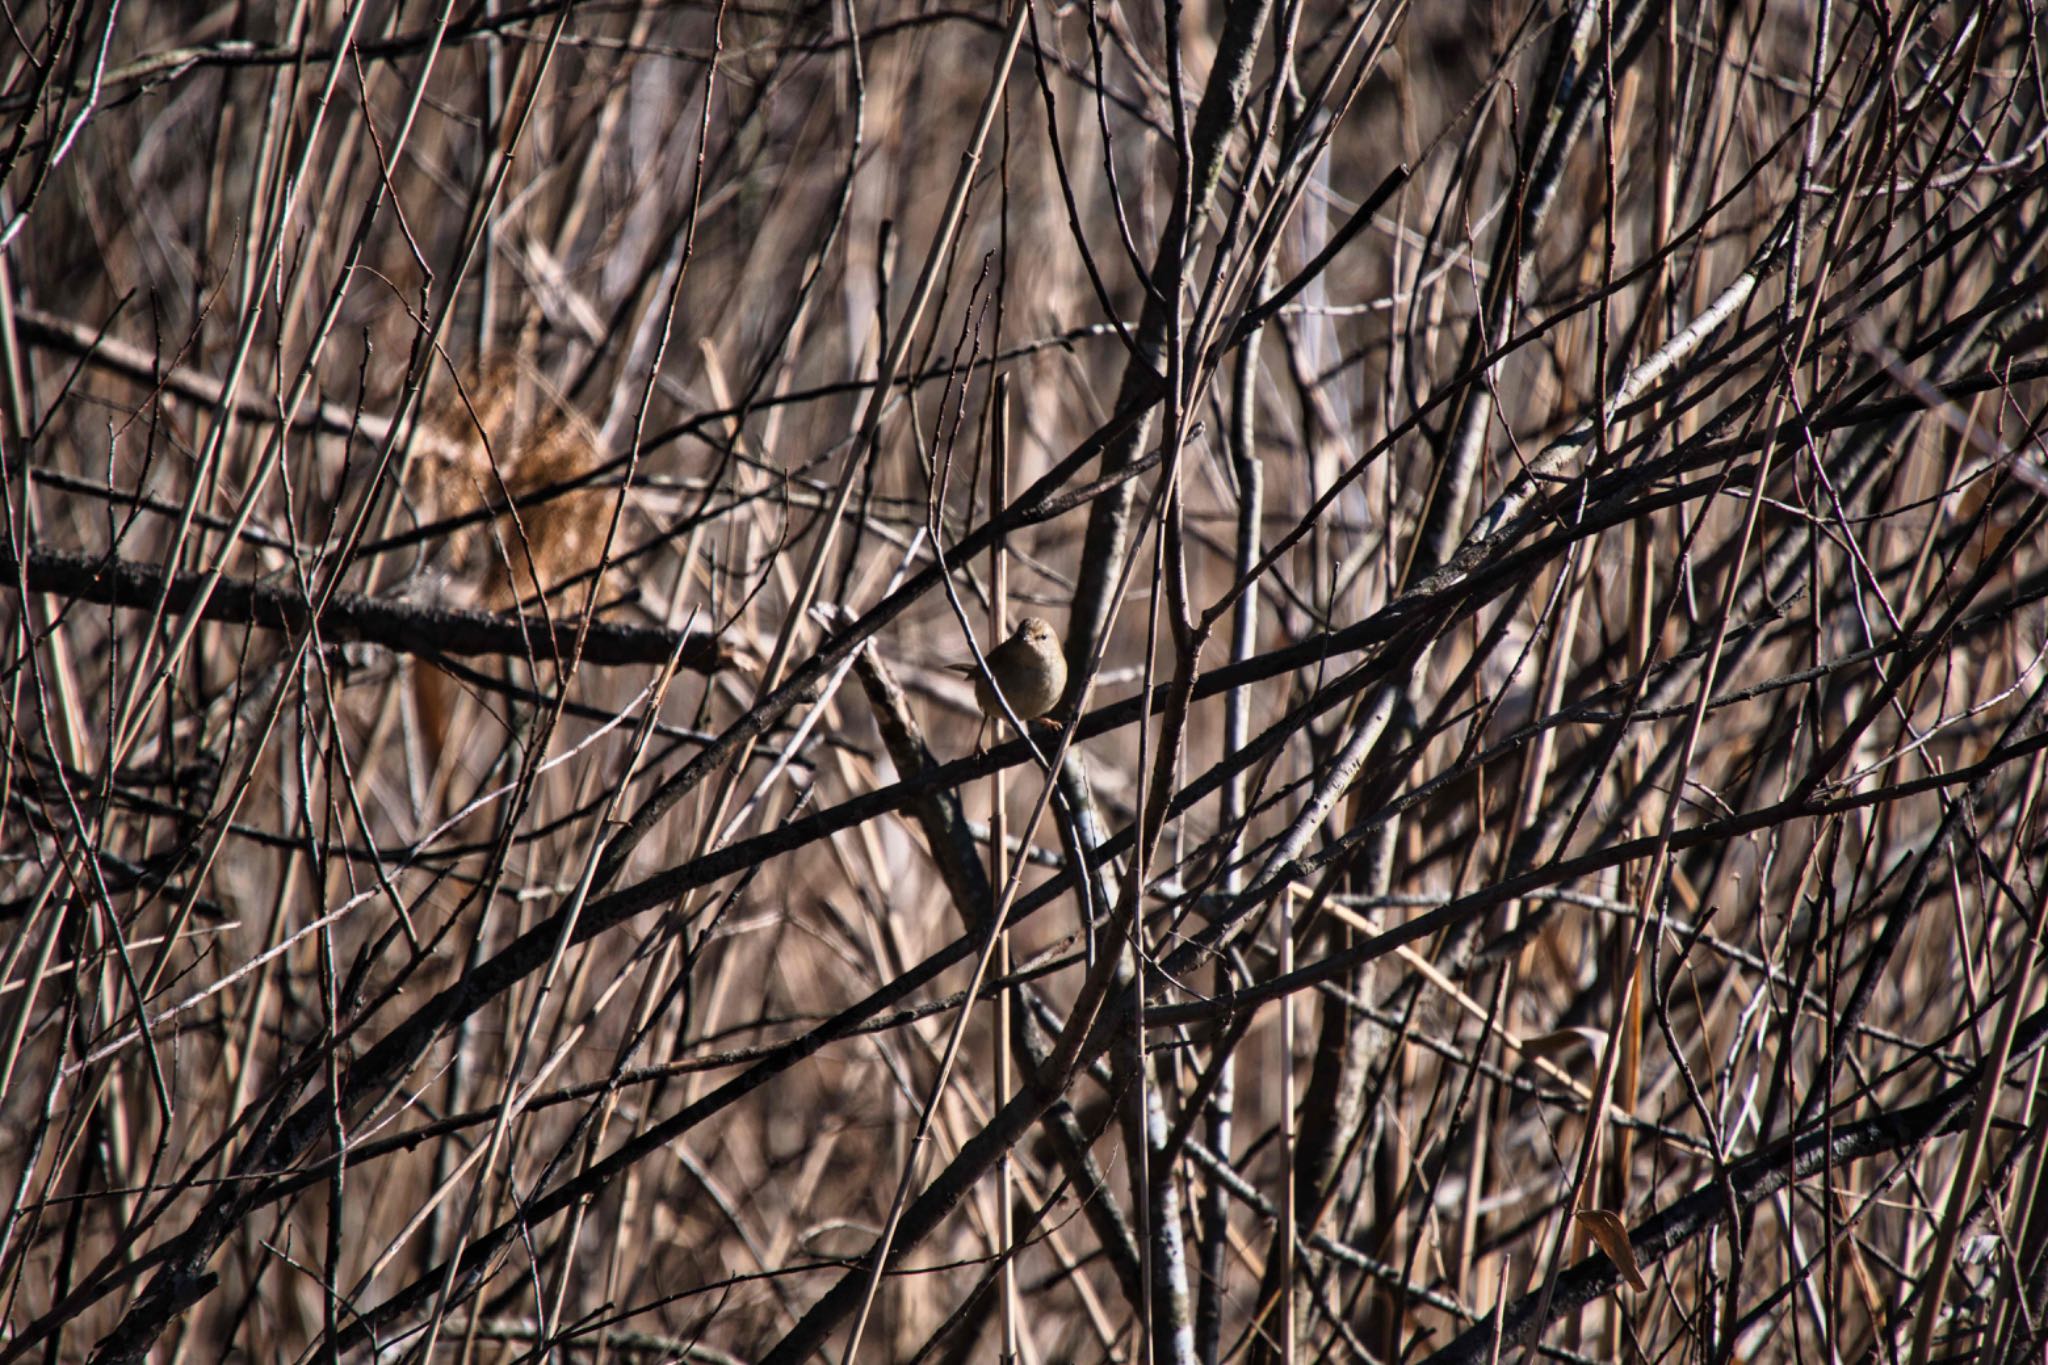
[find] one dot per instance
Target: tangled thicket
(1542, 851)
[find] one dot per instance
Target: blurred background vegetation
(1542, 850)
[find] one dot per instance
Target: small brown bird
(1029, 666)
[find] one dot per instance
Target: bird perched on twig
(1031, 669)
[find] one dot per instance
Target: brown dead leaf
(1612, 1234)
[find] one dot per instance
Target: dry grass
(1580, 529)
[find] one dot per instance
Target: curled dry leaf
(1612, 1234)
(1552, 1046)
